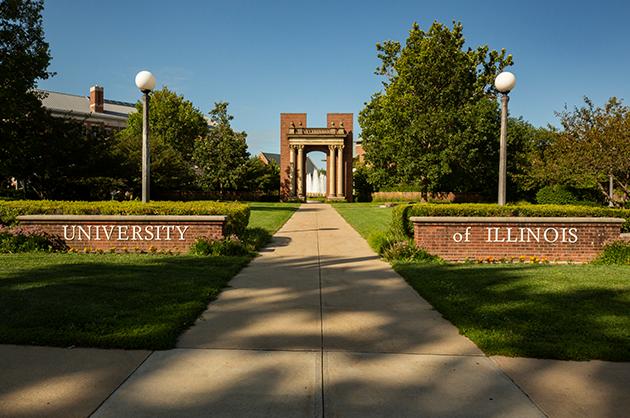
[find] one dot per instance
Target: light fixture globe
(505, 82)
(145, 81)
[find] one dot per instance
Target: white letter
(181, 233)
(530, 232)
(111, 230)
(551, 229)
(150, 233)
(136, 231)
(496, 235)
(455, 237)
(571, 230)
(120, 228)
(65, 233)
(489, 235)
(509, 231)
(168, 232)
(468, 233)
(88, 234)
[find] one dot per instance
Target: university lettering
(124, 232)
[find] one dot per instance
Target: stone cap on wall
(512, 219)
(124, 218)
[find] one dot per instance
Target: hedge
(237, 223)
(402, 213)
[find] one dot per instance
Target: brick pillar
(96, 99)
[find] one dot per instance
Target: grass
(557, 312)
(129, 301)
(270, 216)
(579, 312)
(365, 218)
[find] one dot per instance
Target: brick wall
(563, 239)
(143, 232)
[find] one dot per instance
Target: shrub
(217, 245)
(395, 247)
(615, 252)
(16, 239)
(407, 251)
(556, 195)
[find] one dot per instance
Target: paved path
(316, 326)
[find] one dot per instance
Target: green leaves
(222, 155)
(433, 121)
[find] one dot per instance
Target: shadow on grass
(107, 301)
(556, 312)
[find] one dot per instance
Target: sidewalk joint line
(321, 315)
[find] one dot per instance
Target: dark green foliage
(216, 245)
(258, 176)
(223, 155)
(434, 125)
(556, 195)
(175, 125)
(616, 252)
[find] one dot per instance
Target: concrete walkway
(316, 326)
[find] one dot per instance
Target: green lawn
(578, 312)
(365, 218)
(270, 216)
(131, 301)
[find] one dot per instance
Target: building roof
(80, 105)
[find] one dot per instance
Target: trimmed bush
(616, 252)
(238, 212)
(556, 195)
(402, 225)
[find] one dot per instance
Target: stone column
(292, 170)
(300, 171)
(331, 172)
(340, 171)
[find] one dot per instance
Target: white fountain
(315, 184)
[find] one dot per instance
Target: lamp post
(504, 83)
(145, 82)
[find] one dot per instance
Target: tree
(434, 119)
(24, 59)
(592, 146)
(258, 176)
(175, 124)
(222, 155)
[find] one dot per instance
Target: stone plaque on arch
(334, 140)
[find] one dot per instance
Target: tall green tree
(434, 121)
(592, 146)
(223, 155)
(24, 59)
(175, 124)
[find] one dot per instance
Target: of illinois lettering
(498, 234)
(124, 232)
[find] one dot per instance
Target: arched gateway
(296, 141)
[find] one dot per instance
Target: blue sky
(272, 57)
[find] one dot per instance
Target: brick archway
(297, 140)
